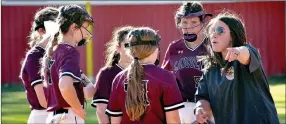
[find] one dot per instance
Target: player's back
(64, 62)
(104, 84)
(30, 75)
(160, 88)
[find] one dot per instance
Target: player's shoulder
(176, 43)
(109, 69)
(34, 55)
(162, 75)
(120, 77)
(35, 52)
(122, 74)
(67, 50)
(167, 75)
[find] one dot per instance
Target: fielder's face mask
(78, 19)
(193, 37)
(141, 42)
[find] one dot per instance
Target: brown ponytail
(136, 98)
(47, 57)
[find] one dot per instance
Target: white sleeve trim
(113, 113)
(99, 100)
(36, 81)
(93, 103)
(173, 106)
(71, 74)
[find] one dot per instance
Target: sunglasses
(89, 34)
(219, 30)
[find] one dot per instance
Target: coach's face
(219, 36)
(191, 25)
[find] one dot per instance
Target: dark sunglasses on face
(219, 30)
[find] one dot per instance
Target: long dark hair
(68, 15)
(135, 98)
(118, 36)
(238, 38)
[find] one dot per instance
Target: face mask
(193, 37)
(82, 42)
(190, 37)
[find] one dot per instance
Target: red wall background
(264, 21)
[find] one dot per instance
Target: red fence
(265, 25)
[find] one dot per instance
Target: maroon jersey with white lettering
(104, 83)
(161, 90)
(64, 62)
(30, 75)
(182, 61)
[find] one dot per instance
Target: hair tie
(136, 58)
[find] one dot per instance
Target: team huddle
(210, 75)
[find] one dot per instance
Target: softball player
(181, 55)
(116, 61)
(61, 67)
(144, 93)
(30, 69)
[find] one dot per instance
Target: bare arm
(238, 53)
(69, 94)
(206, 106)
(244, 55)
(39, 89)
(173, 117)
(116, 120)
(89, 91)
(100, 112)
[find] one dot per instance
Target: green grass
(278, 93)
(15, 108)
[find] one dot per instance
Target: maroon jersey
(64, 62)
(30, 75)
(104, 83)
(162, 93)
(182, 61)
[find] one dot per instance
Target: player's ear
(73, 27)
(41, 31)
(118, 48)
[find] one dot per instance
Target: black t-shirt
(241, 96)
